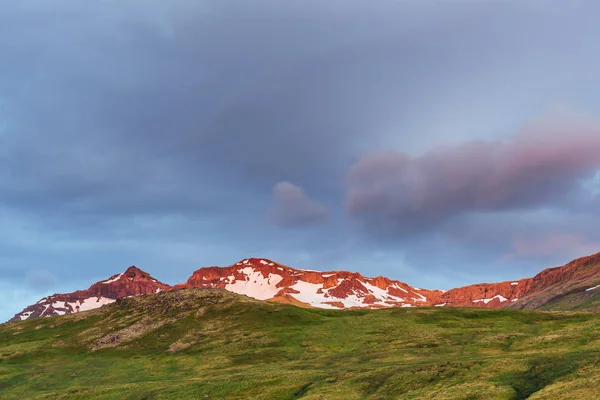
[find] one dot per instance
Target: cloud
(543, 165)
(293, 208)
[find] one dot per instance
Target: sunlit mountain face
(572, 287)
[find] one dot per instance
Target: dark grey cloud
(145, 107)
(293, 208)
(541, 166)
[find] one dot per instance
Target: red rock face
(267, 280)
(132, 282)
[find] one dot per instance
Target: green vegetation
(213, 344)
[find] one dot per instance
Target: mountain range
(573, 286)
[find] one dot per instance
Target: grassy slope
(214, 344)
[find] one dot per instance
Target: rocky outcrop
(132, 282)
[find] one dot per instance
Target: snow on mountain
(264, 279)
(132, 282)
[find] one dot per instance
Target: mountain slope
(210, 343)
(574, 286)
(132, 282)
(267, 280)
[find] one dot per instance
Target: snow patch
(113, 279)
(440, 305)
(248, 271)
(395, 285)
(421, 297)
(256, 285)
(485, 301)
(514, 283)
(592, 288)
(264, 262)
(59, 304)
(381, 294)
(91, 303)
(63, 307)
(25, 315)
(309, 293)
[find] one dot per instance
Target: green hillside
(213, 344)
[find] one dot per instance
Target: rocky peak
(132, 273)
(135, 271)
(132, 282)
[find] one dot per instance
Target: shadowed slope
(575, 286)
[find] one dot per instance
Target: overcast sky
(440, 143)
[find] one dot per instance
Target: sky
(440, 143)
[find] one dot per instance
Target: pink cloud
(293, 208)
(541, 166)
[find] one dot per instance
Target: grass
(208, 343)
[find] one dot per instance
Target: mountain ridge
(569, 287)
